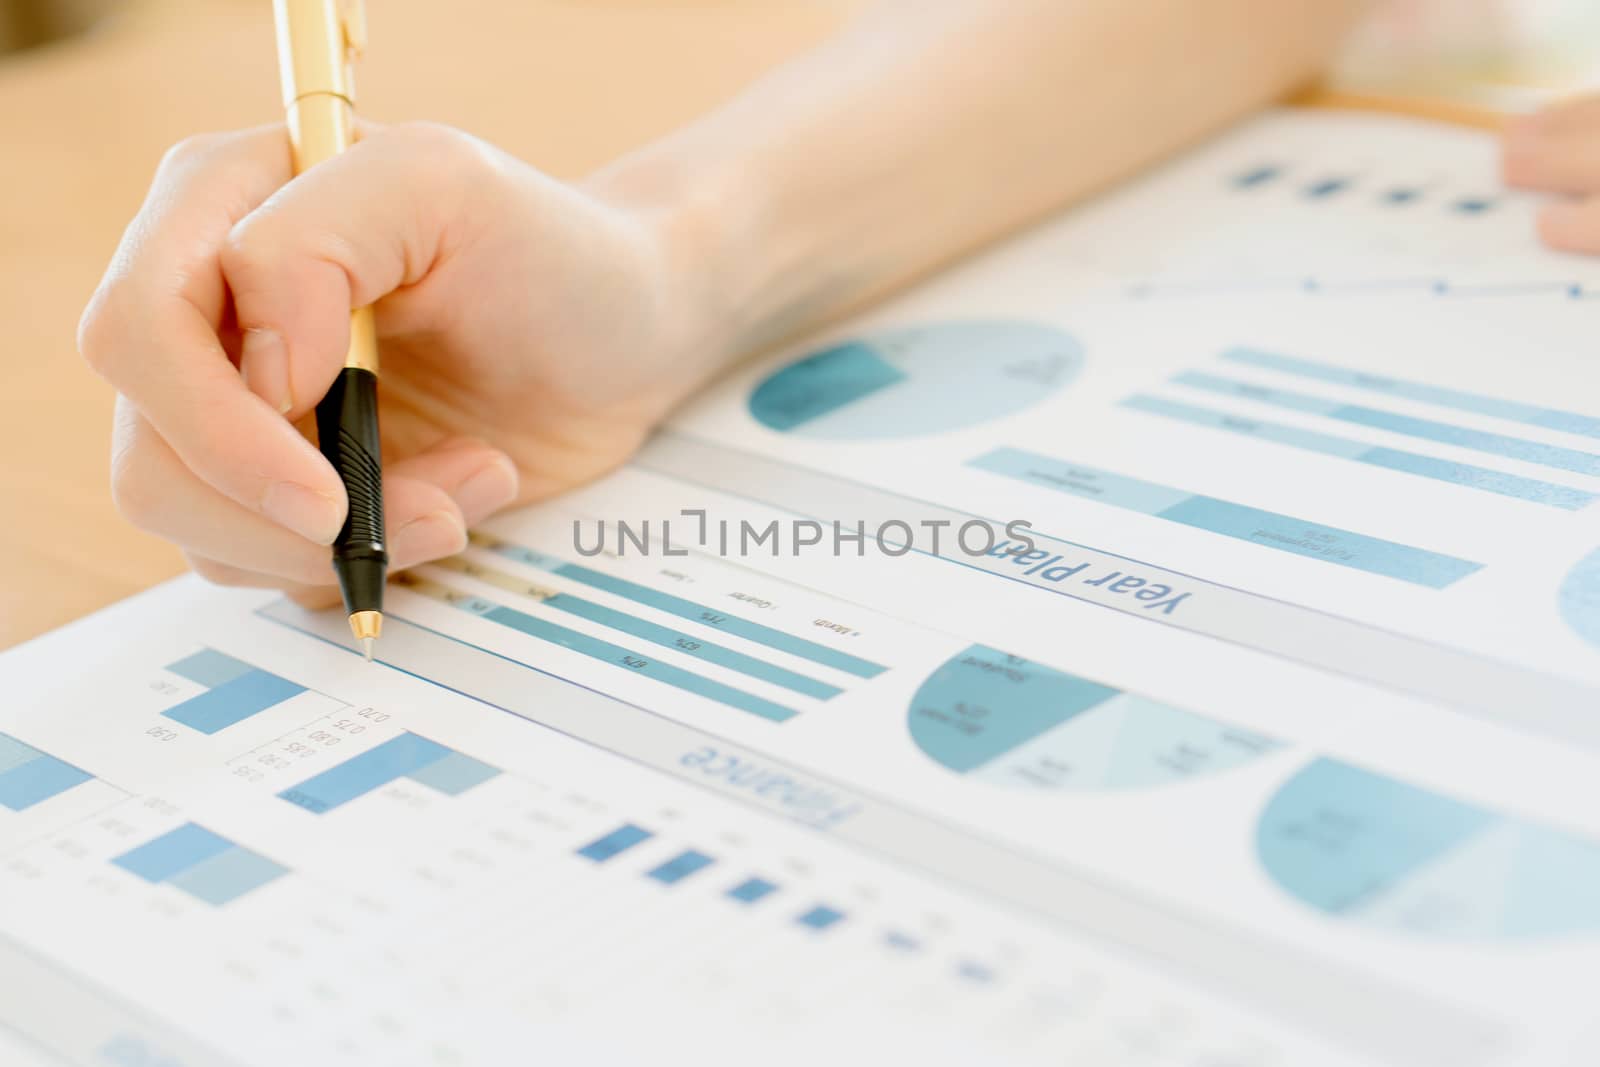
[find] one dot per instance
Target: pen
(317, 43)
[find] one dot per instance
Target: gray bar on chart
(1505, 693)
(1353, 1009)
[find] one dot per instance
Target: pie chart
(1008, 721)
(918, 380)
(1580, 598)
(1379, 852)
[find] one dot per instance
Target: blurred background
(93, 91)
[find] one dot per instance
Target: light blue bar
(617, 656)
(454, 774)
(173, 853)
(1566, 459)
(227, 876)
(820, 917)
(1478, 440)
(688, 609)
(1130, 494)
(680, 867)
(377, 767)
(210, 668)
(1479, 403)
(37, 780)
(619, 840)
(1282, 532)
(1278, 433)
(233, 701)
(14, 753)
(1490, 481)
(751, 890)
(1462, 474)
(690, 645)
(1311, 405)
(973, 971)
(1256, 176)
(1327, 543)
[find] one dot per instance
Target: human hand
(532, 333)
(1557, 150)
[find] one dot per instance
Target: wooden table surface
(564, 84)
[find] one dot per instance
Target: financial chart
(1171, 639)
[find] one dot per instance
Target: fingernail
(430, 536)
(313, 515)
(487, 491)
(264, 362)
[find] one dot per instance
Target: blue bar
(690, 645)
(680, 867)
(1478, 403)
(1285, 533)
(1326, 543)
(688, 609)
(1256, 176)
(820, 917)
(233, 701)
(210, 668)
(454, 774)
(1474, 206)
(902, 942)
(227, 876)
(619, 840)
(1326, 188)
(396, 758)
(173, 853)
(1400, 197)
(1463, 474)
(751, 890)
(39, 779)
(1477, 440)
(973, 971)
(617, 656)
(1490, 481)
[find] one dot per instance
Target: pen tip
(366, 648)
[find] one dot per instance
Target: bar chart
(234, 691)
(1283, 533)
(408, 755)
(715, 617)
(746, 889)
(202, 864)
(29, 776)
(1463, 474)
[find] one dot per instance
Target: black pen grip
(347, 433)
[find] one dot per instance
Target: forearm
(932, 126)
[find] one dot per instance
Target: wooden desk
(564, 84)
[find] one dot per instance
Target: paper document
(1171, 638)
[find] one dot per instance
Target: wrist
(696, 245)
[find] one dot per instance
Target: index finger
(153, 330)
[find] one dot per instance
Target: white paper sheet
(1277, 744)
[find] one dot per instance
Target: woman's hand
(1557, 150)
(531, 337)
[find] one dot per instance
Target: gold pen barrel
(317, 39)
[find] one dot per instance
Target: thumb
(338, 237)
